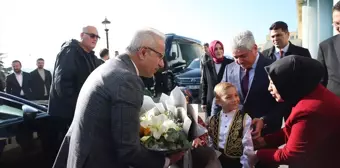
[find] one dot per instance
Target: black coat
(209, 79)
(292, 50)
(38, 84)
(13, 87)
(72, 67)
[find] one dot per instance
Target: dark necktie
(245, 82)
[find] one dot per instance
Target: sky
(37, 28)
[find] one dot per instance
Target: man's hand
(176, 157)
(204, 108)
(259, 143)
(258, 124)
(197, 142)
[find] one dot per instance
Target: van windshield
(190, 51)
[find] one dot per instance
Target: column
(316, 23)
(325, 28)
(309, 26)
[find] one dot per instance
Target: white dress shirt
(247, 142)
(137, 71)
(19, 78)
(217, 67)
(277, 51)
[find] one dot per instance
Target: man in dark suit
(279, 35)
(41, 81)
(248, 75)
(104, 55)
(329, 56)
(105, 129)
(73, 65)
(19, 82)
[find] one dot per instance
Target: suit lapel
(15, 79)
(336, 43)
(212, 70)
(36, 72)
(271, 53)
(46, 76)
(290, 49)
(221, 71)
(235, 78)
(258, 72)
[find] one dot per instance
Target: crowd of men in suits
(31, 86)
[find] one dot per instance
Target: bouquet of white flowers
(168, 126)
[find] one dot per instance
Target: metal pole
(107, 38)
(318, 18)
(308, 18)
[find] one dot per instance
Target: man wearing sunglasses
(105, 129)
(73, 65)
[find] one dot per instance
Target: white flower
(158, 122)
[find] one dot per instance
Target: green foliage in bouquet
(172, 140)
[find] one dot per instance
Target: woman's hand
(197, 142)
(258, 124)
(259, 143)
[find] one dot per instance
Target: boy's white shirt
(248, 158)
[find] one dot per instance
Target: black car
(19, 119)
(189, 81)
(180, 51)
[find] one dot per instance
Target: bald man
(73, 65)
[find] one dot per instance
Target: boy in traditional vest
(230, 129)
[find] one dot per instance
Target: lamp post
(105, 22)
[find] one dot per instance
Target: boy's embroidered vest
(233, 147)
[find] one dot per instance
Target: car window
(4, 109)
(190, 51)
(174, 49)
(10, 110)
(194, 64)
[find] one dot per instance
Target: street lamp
(105, 22)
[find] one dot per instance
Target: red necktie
(245, 82)
(281, 53)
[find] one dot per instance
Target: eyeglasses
(93, 35)
(160, 55)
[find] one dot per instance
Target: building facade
(315, 22)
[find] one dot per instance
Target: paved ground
(14, 157)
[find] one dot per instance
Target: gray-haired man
(247, 74)
(105, 129)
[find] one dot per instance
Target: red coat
(311, 134)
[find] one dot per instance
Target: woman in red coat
(312, 131)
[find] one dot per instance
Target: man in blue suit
(248, 75)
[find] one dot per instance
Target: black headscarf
(295, 77)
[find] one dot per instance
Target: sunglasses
(93, 35)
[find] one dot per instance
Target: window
(174, 49)
(190, 51)
(195, 64)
